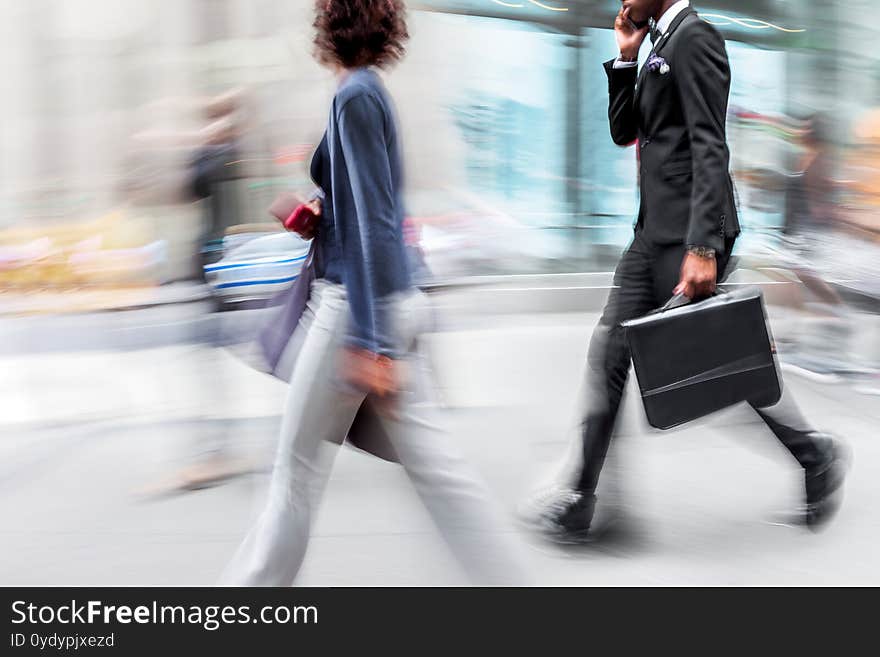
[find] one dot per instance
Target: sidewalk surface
(86, 432)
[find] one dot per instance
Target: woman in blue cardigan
(357, 337)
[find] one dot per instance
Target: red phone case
(302, 220)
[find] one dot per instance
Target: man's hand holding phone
(629, 35)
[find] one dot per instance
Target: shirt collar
(670, 14)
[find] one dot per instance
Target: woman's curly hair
(354, 33)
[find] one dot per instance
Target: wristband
(701, 251)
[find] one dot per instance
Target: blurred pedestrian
(216, 169)
(204, 164)
(686, 229)
(811, 209)
(359, 332)
(216, 172)
(812, 228)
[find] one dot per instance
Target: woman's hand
(314, 206)
(287, 203)
(371, 373)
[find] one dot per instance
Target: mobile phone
(302, 220)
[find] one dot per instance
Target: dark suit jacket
(679, 119)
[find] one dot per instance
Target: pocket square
(657, 63)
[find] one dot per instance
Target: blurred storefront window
(503, 107)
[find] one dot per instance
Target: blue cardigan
(360, 237)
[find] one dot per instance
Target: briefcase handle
(681, 299)
(677, 301)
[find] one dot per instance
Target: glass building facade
(503, 106)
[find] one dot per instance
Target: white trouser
(319, 412)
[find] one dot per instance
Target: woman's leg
(317, 415)
(481, 538)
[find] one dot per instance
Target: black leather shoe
(824, 487)
(572, 523)
(562, 515)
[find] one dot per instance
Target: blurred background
(140, 146)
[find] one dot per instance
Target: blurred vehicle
(256, 266)
(458, 235)
(474, 244)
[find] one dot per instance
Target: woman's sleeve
(369, 238)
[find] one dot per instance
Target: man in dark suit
(675, 110)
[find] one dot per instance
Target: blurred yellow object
(112, 250)
(867, 128)
(118, 229)
(862, 171)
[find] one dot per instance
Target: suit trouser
(319, 412)
(643, 281)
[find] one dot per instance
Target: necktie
(656, 34)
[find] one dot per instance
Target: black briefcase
(692, 359)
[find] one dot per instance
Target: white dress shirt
(662, 27)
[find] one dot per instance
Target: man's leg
(788, 424)
(608, 361)
(824, 460)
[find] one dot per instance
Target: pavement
(89, 433)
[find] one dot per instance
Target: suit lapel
(660, 45)
(640, 82)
